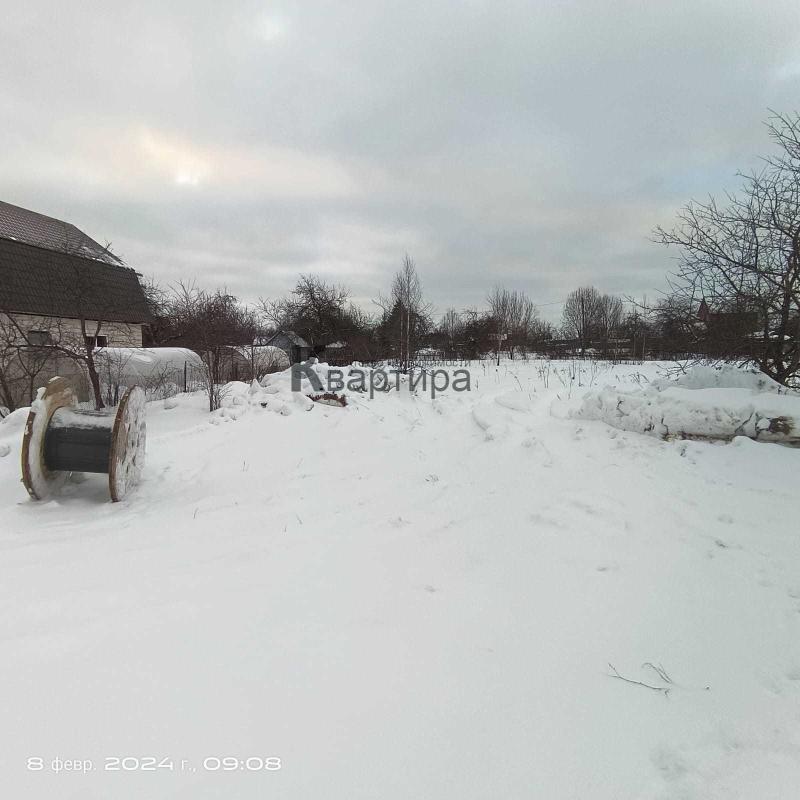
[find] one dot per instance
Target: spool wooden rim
(126, 454)
(38, 480)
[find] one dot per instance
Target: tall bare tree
(212, 324)
(740, 259)
(451, 327)
(406, 314)
(580, 315)
(317, 310)
(609, 319)
(514, 314)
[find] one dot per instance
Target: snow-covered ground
(407, 598)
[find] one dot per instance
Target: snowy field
(409, 598)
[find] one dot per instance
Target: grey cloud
(536, 144)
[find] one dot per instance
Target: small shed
(296, 347)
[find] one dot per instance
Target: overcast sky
(534, 144)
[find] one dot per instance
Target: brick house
(60, 292)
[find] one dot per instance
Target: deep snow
(408, 598)
(702, 402)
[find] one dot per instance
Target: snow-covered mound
(724, 376)
(239, 398)
(13, 424)
(348, 380)
(707, 403)
(275, 391)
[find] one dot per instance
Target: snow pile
(725, 376)
(346, 381)
(703, 403)
(337, 387)
(12, 425)
(239, 398)
(354, 378)
(492, 415)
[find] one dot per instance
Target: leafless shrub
(212, 323)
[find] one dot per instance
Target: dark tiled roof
(34, 280)
(21, 225)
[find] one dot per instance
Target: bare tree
(739, 262)
(73, 339)
(579, 317)
(213, 324)
(406, 314)
(540, 334)
(609, 319)
(407, 294)
(316, 310)
(19, 365)
(499, 302)
(161, 329)
(7, 396)
(514, 314)
(451, 327)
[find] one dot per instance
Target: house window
(39, 338)
(96, 341)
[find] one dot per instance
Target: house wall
(282, 341)
(17, 363)
(120, 334)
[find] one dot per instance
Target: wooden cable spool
(60, 439)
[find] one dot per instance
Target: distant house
(59, 290)
(296, 347)
(733, 322)
(729, 332)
